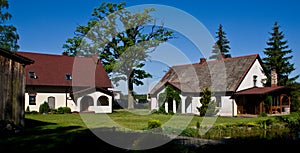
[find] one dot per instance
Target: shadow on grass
(37, 139)
(30, 123)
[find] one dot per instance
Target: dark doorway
(85, 102)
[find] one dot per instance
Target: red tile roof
(51, 70)
(260, 90)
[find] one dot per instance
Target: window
(218, 101)
(254, 80)
(68, 76)
(32, 98)
(32, 75)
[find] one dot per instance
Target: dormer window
(32, 75)
(254, 80)
(68, 76)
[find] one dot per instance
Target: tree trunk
(130, 92)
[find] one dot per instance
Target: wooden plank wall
(12, 87)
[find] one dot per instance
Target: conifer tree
(221, 47)
(208, 106)
(278, 57)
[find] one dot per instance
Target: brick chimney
(202, 60)
(273, 78)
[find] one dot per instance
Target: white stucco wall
(256, 69)
(154, 101)
(60, 100)
(228, 107)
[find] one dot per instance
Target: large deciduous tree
(277, 56)
(8, 33)
(221, 47)
(123, 41)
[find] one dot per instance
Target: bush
(154, 124)
(67, 110)
(44, 108)
(27, 111)
(64, 110)
(34, 112)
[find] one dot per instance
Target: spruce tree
(277, 57)
(221, 47)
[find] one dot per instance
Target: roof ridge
(211, 61)
(57, 55)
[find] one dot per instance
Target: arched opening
(85, 102)
(102, 101)
(188, 102)
(170, 104)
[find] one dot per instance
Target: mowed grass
(134, 120)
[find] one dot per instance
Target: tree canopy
(123, 41)
(8, 33)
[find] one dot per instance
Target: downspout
(66, 99)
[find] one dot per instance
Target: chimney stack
(273, 78)
(202, 60)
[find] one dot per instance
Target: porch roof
(261, 90)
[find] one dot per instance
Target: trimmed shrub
(64, 110)
(44, 108)
(154, 124)
(67, 110)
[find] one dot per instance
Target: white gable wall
(256, 69)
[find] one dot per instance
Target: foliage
(295, 102)
(154, 124)
(208, 106)
(221, 47)
(64, 110)
(8, 33)
(27, 109)
(268, 103)
(123, 41)
(277, 57)
(169, 94)
(292, 121)
(44, 108)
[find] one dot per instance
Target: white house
(224, 77)
(80, 83)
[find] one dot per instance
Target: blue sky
(44, 25)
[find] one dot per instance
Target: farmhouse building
(79, 83)
(236, 83)
(12, 87)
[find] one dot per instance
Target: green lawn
(136, 120)
(71, 132)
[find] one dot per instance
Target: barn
(12, 87)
